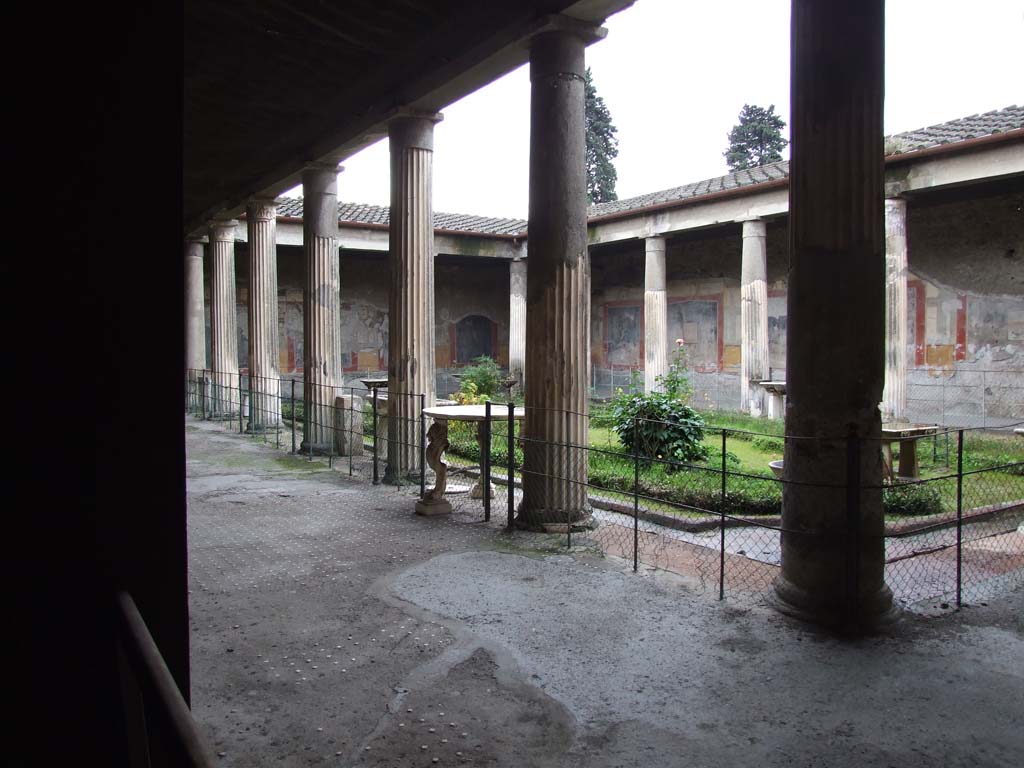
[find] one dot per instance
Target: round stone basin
(776, 467)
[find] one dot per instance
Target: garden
(678, 457)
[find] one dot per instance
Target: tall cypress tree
(602, 146)
(756, 139)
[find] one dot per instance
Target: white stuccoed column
(655, 313)
(261, 224)
(517, 320)
(411, 299)
(195, 330)
(894, 396)
(321, 305)
(753, 318)
(223, 321)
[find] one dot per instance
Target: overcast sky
(676, 74)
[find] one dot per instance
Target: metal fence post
(240, 428)
(511, 463)
(959, 516)
(423, 447)
(721, 527)
(293, 416)
(485, 459)
(636, 492)
(565, 498)
(853, 451)
(376, 440)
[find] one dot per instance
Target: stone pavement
(330, 626)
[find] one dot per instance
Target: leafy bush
(911, 500)
(768, 444)
(483, 377)
(660, 424)
(468, 395)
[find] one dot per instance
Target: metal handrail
(155, 679)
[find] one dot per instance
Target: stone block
(348, 425)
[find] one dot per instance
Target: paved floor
(330, 626)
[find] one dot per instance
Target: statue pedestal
(431, 507)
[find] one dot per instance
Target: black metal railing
(715, 517)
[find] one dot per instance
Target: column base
(317, 449)
(261, 429)
(432, 507)
(392, 477)
(553, 520)
(875, 611)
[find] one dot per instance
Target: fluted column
(261, 223)
(195, 331)
(833, 553)
(411, 299)
(223, 321)
(655, 314)
(894, 398)
(753, 318)
(517, 320)
(558, 284)
(321, 305)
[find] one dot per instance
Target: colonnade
(836, 296)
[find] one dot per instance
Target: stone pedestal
(894, 397)
(348, 425)
(264, 378)
(321, 304)
(832, 549)
(655, 313)
(411, 299)
(753, 318)
(223, 320)
(558, 284)
(517, 320)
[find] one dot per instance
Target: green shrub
(768, 444)
(911, 500)
(482, 377)
(660, 424)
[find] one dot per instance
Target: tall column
(223, 321)
(832, 548)
(753, 318)
(894, 399)
(655, 313)
(261, 223)
(195, 330)
(321, 305)
(557, 284)
(411, 299)
(517, 320)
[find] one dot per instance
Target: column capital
(261, 209)
(223, 230)
(320, 169)
(412, 128)
(587, 31)
(197, 238)
(753, 227)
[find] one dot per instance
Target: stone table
(907, 435)
(776, 392)
(434, 503)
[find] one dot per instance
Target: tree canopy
(602, 145)
(756, 139)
